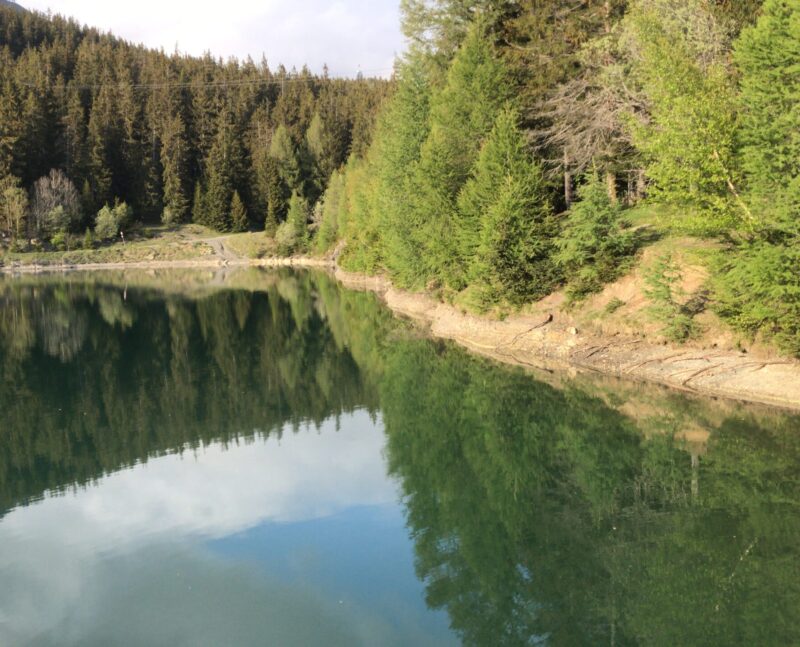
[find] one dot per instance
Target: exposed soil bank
(550, 341)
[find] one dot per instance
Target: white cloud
(52, 551)
(348, 35)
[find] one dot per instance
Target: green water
(268, 459)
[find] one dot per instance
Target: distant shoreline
(59, 268)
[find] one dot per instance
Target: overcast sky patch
(350, 36)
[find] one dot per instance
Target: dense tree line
(177, 138)
(506, 113)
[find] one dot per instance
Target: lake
(265, 458)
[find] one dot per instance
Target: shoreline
(214, 263)
(549, 343)
(546, 342)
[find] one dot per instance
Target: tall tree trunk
(641, 184)
(611, 187)
(568, 199)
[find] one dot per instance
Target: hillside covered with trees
(88, 120)
(531, 146)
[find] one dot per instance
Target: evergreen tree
(768, 56)
(595, 245)
(75, 137)
(287, 158)
(103, 140)
(175, 160)
(224, 170)
(462, 115)
(292, 235)
(199, 204)
(276, 193)
(401, 131)
(505, 225)
(238, 214)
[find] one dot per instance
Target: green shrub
(59, 241)
(111, 221)
(614, 305)
(595, 246)
(757, 290)
(669, 307)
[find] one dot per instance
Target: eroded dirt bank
(550, 340)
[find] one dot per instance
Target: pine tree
(768, 56)
(175, 160)
(505, 223)
(238, 214)
(462, 115)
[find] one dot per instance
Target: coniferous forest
(88, 120)
(521, 147)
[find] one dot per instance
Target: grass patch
(143, 244)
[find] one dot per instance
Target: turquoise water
(268, 459)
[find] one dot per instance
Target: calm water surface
(267, 459)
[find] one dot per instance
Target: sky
(347, 35)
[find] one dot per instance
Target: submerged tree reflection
(544, 516)
(564, 515)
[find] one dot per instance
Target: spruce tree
(505, 223)
(276, 194)
(400, 133)
(175, 160)
(595, 245)
(224, 167)
(102, 141)
(768, 57)
(199, 212)
(462, 115)
(284, 151)
(238, 214)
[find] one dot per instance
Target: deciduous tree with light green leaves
(687, 137)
